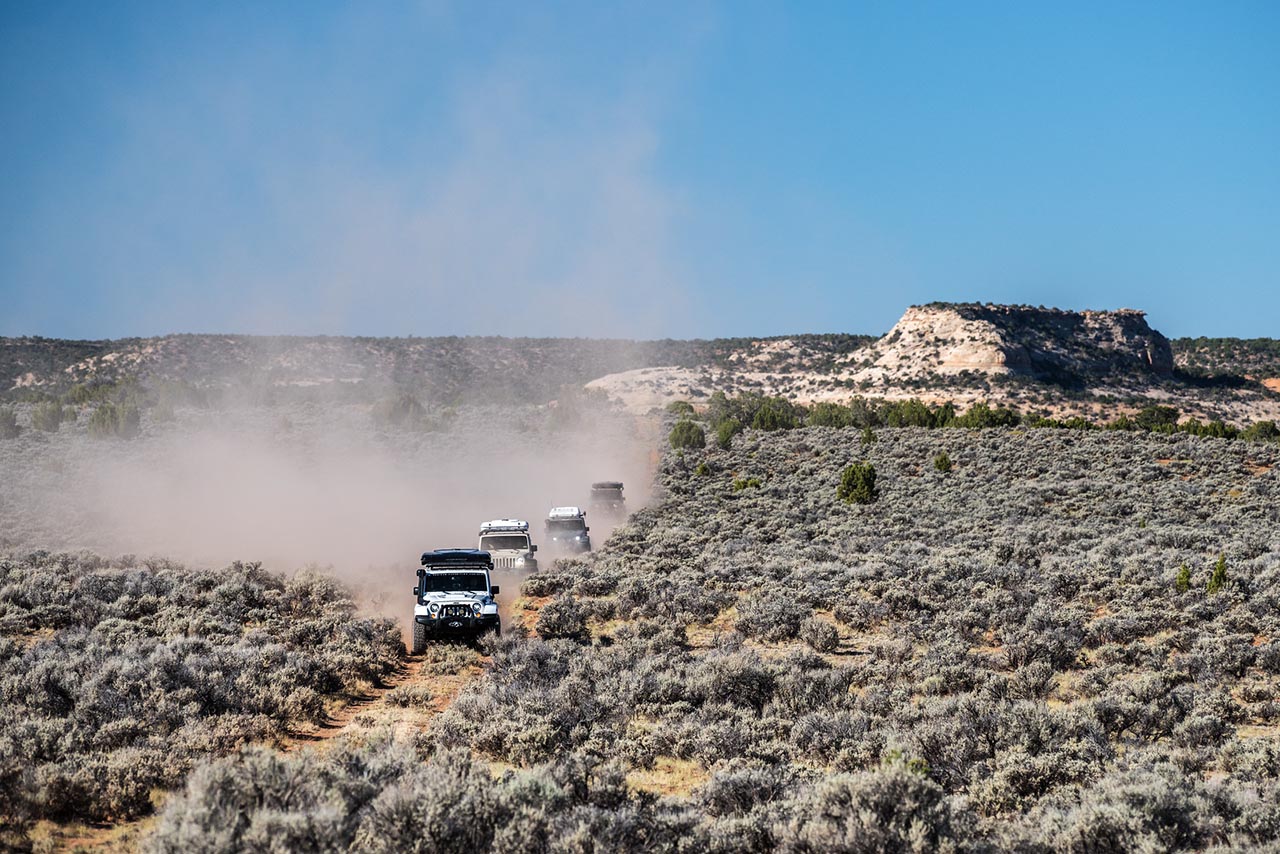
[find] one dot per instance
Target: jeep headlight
(476, 606)
(434, 608)
(520, 561)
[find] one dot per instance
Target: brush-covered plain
(116, 677)
(1068, 641)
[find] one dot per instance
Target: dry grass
(112, 839)
(668, 777)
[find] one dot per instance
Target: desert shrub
(1133, 812)
(857, 484)
(136, 673)
(742, 483)
(702, 469)
(110, 420)
(868, 436)
(413, 695)
(820, 635)
(687, 435)
(8, 423)
(385, 797)
(681, 409)
(771, 617)
(890, 809)
(942, 462)
(562, 617)
(47, 416)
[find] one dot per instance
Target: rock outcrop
(946, 340)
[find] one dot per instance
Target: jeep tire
(419, 638)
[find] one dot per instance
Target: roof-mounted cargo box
(457, 557)
(566, 513)
(504, 526)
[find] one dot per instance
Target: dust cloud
(316, 485)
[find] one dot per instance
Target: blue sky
(641, 170)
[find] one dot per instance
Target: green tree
(908, 413)
(1262, 431)
(981, 415)
(1183, 582)
(680, 408)
(687, 434)
(858, 484)
(776, 413)
(1219, 577)
(868, 436)
(830, 415)
(942, 462)
(1155, 417)
(726, 430)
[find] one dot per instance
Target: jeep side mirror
(532, 549)
(493, 590)
(415, 591)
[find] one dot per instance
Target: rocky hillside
(1060, 361)
(1064, 362)
(450, 370)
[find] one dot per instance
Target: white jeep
(507, 540)
(455, 597)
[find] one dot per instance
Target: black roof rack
(454, 557)
(607, 484)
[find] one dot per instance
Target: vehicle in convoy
(507, 541)
(566, 530)
(607, 500)
(454, 597)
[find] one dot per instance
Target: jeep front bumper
(457, 625)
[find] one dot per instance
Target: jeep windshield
(455, 582)
(565, 526)
(504, 542)
(606, 495)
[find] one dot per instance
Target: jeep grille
(456, 611)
